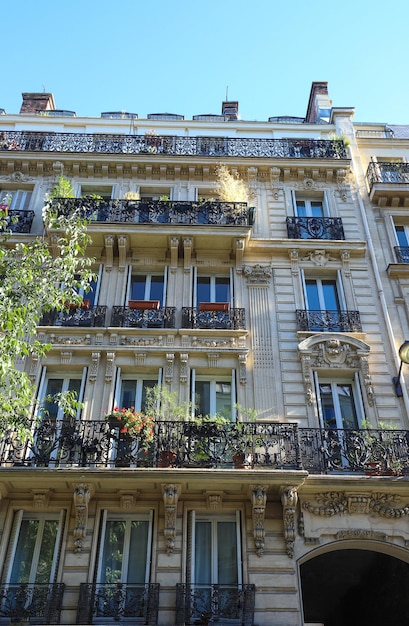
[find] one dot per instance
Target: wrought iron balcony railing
(402, 254)
(210, 213)
(232, 319)
(118, 602)
(315, 228)
(19, 221)
(94, 315)
(24, 602)
(388, 173)
(175, 145)
(208, 604)
(127, 317)
(328, 321)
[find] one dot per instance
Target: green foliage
(34, 281)
(163, 404)
(62, 189)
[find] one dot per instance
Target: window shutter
(12, 545)
(190, 555)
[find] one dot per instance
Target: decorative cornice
(333, 503)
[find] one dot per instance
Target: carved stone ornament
(335, 352)
(258, 274)
(170, 494)
(332, 503)
(289, 499)
(82, 494)
(319, 258)
(258, 496)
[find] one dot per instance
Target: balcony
(387, 181)
(93, 316)
(171, 145)
(315, 228)
(196, 318)
(208, 604)
(191, 444)
(129, 317)
(328, 321)
(19, 221)
(24, 602)
(118, 602)
(157, 211)
(402, 254)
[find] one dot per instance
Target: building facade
(292, 306)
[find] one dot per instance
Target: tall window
(149, 286)
(213, 395)
(213, 289)
(322, 294)
(34, 548)
(53, 384)
(20, 198)
(340, 403)
(132, 391)
(309, 208)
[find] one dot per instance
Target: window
(100, 191)
(211, 395)
(322, 294)
(309, 208)
(212, 288)
(52, 384)
(34, 548)
(147, 287)
(20, 198)
(325, 309)
(132, 391)
(339, 402)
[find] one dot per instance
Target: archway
(355, 587)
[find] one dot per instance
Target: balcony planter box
(214, 306)
(143, 304)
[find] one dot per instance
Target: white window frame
(66, 376)
(20, 198)
(148, 276)
(338, 284)
(138, 380)
(296, 196)
(213, 280)
(213, 380)
(356, 395)
(106, 516)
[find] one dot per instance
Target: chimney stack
(34, 102)
(231, 110)
(319, 104)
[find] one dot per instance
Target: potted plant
(132, 424)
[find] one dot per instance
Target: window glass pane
(222, 289)
(316, 209)
(301, 208)
(203, 552)
(329, 290)
(227, 553)
(203, 289)
(50, 408)
(401, 235)
(347, 406)
(312, 295)
(202, 397)
(328, 408)
(128, 393)
(138, 551)
(138, 287)
(223, 399)
(45, 559)
(147, 384)
(112, 556)
(156, 292)
(24, 553)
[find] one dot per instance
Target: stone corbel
(123, 246)
(258, 274)
(274, 180)
(109, 252)
(213, 359)
(243, 369)
(289, 499)
(34, 367)
(258, 495)
(240, 244)
(109, 371)
(171, 493)
(294, 261)
(82, 495)
(345, 258)
(187, 253)
(183, 368)
(170, 360)
(174, 254)
(41, 498)
(93, 371)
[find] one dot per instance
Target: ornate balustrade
(215, 213)
(196, 444)
(76, 316)
(328, 321)
(402, 254)
(387, 172)
(205, 604)
(23, 602)
(173, 145)
(232, 319)
(315, 228)
(127, 317)
(118, 602)
(19, 221)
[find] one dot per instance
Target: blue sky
(181, 56)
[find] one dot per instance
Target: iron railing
(183, 213)
(402, 254)
(232, 319)
(328, 321)
(211, 603)
(197, 444)
(174, 145)
(118, 602)
(94, 315)
(387, 172)
(315, 228)
(19, 221)
(127, 317)
(24, 602)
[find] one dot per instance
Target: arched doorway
(356, 588)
